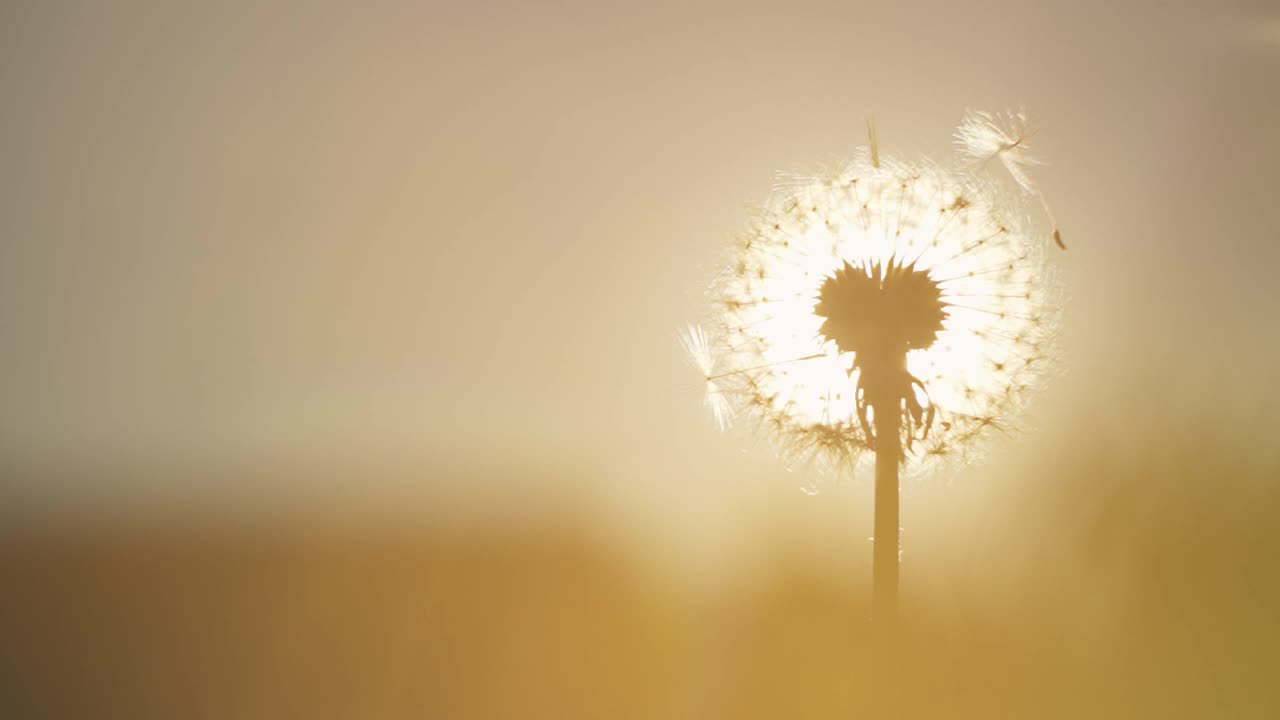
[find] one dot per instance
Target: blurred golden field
(1135, 583)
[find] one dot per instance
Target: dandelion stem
(884, 567)
(886, 405)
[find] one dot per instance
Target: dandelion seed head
(774, 353)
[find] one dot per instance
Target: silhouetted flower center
(880, 312)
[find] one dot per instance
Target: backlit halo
(976, 283)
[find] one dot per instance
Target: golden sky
(465, 236)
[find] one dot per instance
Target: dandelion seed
(983, 136)
(694, 341)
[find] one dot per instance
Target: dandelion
(886, 309)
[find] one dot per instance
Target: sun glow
(766, 352)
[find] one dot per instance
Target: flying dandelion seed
(983, 136)
(695, 344)
(889, 308)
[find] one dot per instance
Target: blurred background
(339, 374)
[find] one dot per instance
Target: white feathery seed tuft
(695, 344)
(983, 136)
